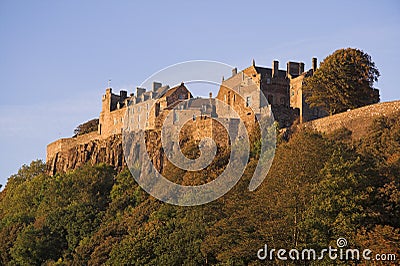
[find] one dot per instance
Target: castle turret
(106, 101)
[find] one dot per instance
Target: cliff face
(93, 151)
(71, 153)
(68, 154)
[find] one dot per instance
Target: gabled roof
(171, 91)
(162, 90)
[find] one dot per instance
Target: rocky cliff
(70, 153)
(93, 151)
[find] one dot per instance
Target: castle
(241, 91)
(282, 89)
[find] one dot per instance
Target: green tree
(341, 200)
(87, 127)
(343, 81)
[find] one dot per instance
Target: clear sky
(56, 56)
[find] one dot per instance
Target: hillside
(320, 188)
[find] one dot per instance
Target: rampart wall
(357, 120)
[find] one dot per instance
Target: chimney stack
(156, 85)
(123, 95)
(275, 68)
(234, 71)
(140, 91)
(301, 68)
(314, 64)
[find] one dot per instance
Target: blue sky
(56, 56)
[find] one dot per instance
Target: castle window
(225, 98)
(115, 121)
(234, 97)
(248, 101)
(268, 81)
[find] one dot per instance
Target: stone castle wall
(69, 154)
(357, 120)
(68, 143)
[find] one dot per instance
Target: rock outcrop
(71, 153)
(93, 151)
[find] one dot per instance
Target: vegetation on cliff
(319, 188)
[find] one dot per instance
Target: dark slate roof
(268, 71)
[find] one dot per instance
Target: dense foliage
(320, 188)
(87, 127)
(343, 81)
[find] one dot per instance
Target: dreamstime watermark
(339, 253)
(144, 112)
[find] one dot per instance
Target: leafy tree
(343, 81)
(87, 127)
(273, 213)
(340, 204)
(382, 146)
(18, 204)
(381, 239)
(35, 246)
(318, 188)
